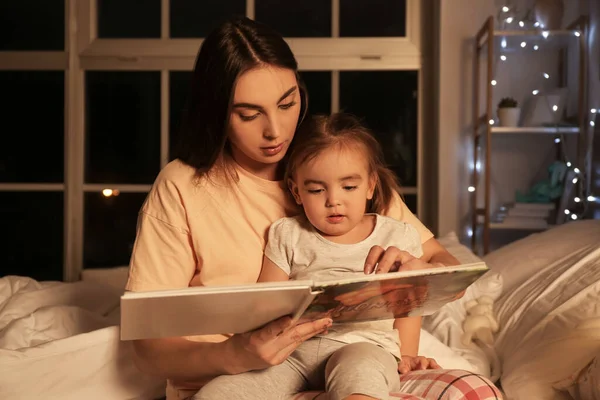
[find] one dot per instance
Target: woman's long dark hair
(234, 47)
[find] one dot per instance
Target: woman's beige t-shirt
(209, 231)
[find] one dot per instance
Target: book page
(390, 295)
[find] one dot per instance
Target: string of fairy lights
(507, 20)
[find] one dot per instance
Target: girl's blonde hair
(319, 133)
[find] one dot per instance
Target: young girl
(336, 173)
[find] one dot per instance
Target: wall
(592, 9)
(459, 22)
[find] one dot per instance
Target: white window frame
(85, 51)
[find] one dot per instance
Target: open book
(242, 308)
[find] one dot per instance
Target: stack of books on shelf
(524, 216)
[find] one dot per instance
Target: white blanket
(60, 341)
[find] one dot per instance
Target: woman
(206, 218)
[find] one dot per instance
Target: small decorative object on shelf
(508, 112)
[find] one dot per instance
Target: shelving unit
(488, 42)
(534, 130)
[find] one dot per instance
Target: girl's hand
(272, 344)
(392, 259)
(410, 363)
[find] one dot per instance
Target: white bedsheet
(60, 341)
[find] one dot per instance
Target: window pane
(194, 18)
(411, 202)
(129, 18)
(179, 88)
(122, 127)
(307, 18)
(33, 241)
(318, 85)
(21, 28)
(109, 228)
(387, 101)
(372, 18)
(32, 146)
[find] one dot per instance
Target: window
(122, 127)
(109, 227)
(369, 18)
(33, 135)
(23, 29)
(87, 142)
(195, 19)
(32, 244)
(128, 18)
(387, 101)
(307, 18)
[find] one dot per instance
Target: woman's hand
(272, 344)
(410, 363)
(392, 259)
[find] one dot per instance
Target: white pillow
(549, 312)
(446, 324)
(520, 260)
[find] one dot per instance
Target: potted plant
(508, 112)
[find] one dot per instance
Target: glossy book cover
(390, 296)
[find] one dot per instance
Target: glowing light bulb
(471, 189)
(536, 47)
(591, 198)
(568, 163)
(556, 140)
(503, 57)
(493, 82)
(505, 9)
(503, 43)
(491, 122)
(107, 192)
(575, 180)
(576, 199)
(576, 170)
(536, 24)
(567, 212)
(593, 111)
(577, 33)
(546, 75)
(509, 20)
(554, 107)
(521, 24)
(592, 123)
(573, 216)
(523, 44)
(535, 92)
(545, 34)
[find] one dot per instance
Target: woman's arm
(183, 360)
(196, 363)
(435, 253)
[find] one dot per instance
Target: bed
(61, 340)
